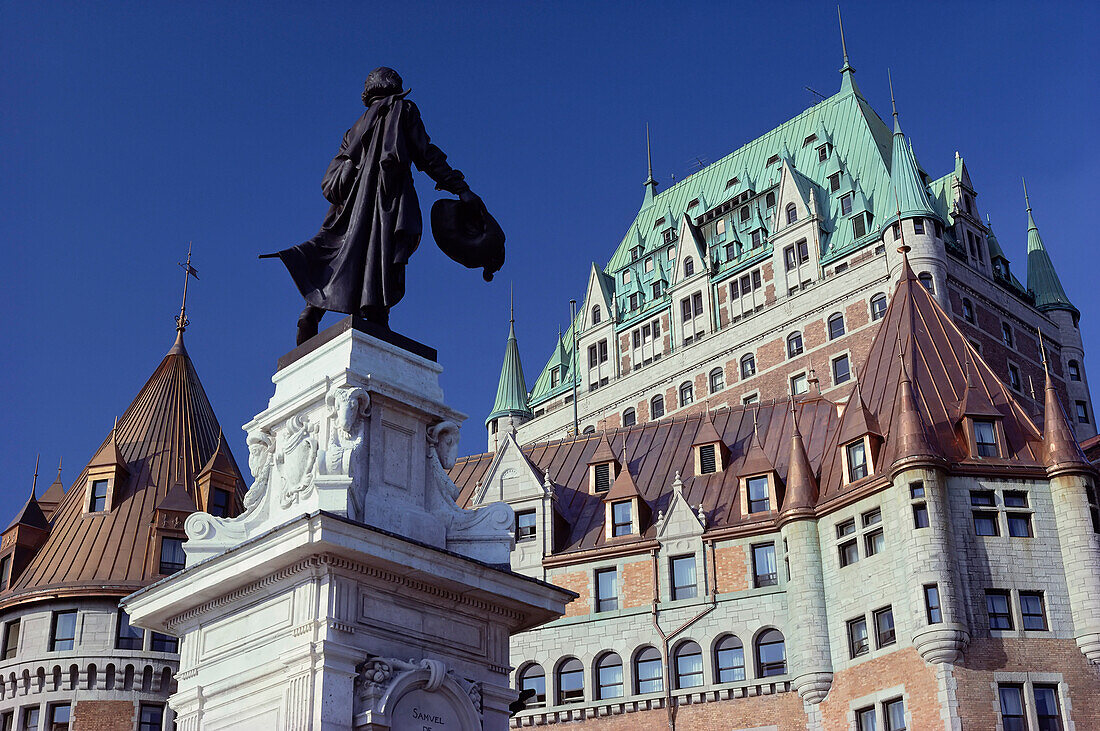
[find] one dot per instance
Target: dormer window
(708, 462)
(809, 140)
(792, 214)
(98, 502)
(597, 314)
(693, 203)
(626, 276)
(857, 460)
(601, 477)
(756, 238)
(769, 200)
(985, 438)
(659, 222)
(772, 160)
(834, 182)
(731, 182)
(622, 518)
(744, 214)
(845, 204)
(525, 525)
(758, 493)
(555, 377)
(172, 557)
(689, 267)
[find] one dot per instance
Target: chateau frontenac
(810, 454)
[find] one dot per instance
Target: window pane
(1046, 708)
(683, 577)
(857, 461)
(1031, 608)
(997, 607)
(164, 643)
(985, 523)
(857, 637)
(985, 437)
(849, 553)
(606, 590)
(648, 671)
(894, 711)
(920, 515)
(771, 655)
(129, 637)
(571, 681)
(1019, 525)
(534, 679)
(1012, 708)
(759, 501)
(866, 719)
(884, 627)
(172, 558)
(525, 525)
(609, 677)
(689, 665)
(64, 630)
(874, 542)
(621, 518)
(932, 603)
(11, 639)
(60, 716)
(729, 660)
(763, 565)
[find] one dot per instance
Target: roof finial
(34, 481)
(188, 271)
(650, 183)
(1026, 199)
(843, 45)
(812, 379)
(59, 467)
(511, 303)
(893, 104)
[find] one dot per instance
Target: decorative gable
(106, 474)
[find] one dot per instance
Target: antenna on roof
(188, 271)
(34, 480)
(815, 92)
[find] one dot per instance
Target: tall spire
(181, 319)
(1042, 280)
(847, 83)
(511, 397)
(801, 493)
(907, 190)
(893, 103)
(1061, 450)
(650, 183)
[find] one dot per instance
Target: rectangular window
(857, 637)
(874, 542)
(219, 503)
(763, 565)
(1015, 499)
(60, 717)
(5, 572)
(849, 553)
(842, 370)
(164, 643)
(998, 609)
(916, 490)
(871, 517)
(622, 523)
(755, 238)
(803, 251)
(845, 205)
(982, 498)
(884, 627)
(859, 226)
(789, 258)
(759, 500)
(63, 630)
(99, 496)
(834, 182)
(799, 384)
(1031, 610)
(857, 461)
(823, 153)
(128, 637)
(866, 720)
(30, 719)
(1012, 707)
(601, 473)
(932, 603)
(11, 639)
(756, 279)
(985, 438)
(894, 713)
(1046, 708)
(682, 569)
(920, 515)
(918, 225)
(846, 528)
(1006, 334)
(1019, 525)
(607, 596)
(1014, 378)
(525, 525)
(707, 461)
(985, 523)
(172, 558)
(1082, 412)
(151, 717)
(7, 720)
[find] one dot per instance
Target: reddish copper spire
(801, 492)
(858, 419)
(912, 442)
(756, 459)
(603, 451)
(706, 434)
(1061, 451)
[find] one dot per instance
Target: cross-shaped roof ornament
(188, 271)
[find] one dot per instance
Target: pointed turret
(1061, 450)
(1042, 280)
(650, 183)
(511, 408)
(801, 493)
(906, 194)
(912, 443)
(847, 71)
(53, 495)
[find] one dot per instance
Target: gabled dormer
(678, 520)
(691, 253)
(599, 302)
(757, 480)
(603, 467)
(217, 483)
(981, 422)
(106, 475)
(21, 540)
(710, 453)
(860, 439)
(53, 496)
(167, 537)
(626, 512)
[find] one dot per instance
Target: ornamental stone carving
(261, 458)
(396, 694)
(296, 460)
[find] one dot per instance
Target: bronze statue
(356, 262)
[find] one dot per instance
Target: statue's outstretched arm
(428, 158)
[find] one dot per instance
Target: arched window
(532, 678)
(687, 664)
(729, 660)
(1074, 371)
(771, 654)
(794, 344)
(630, 417)
(926, 279)
(686, 396)
(570, 681)
(597, 314)
(878, 307)
(748, 366)
(657, 407)
(769, 200)
(588, 430)
(648, 674)
(717, 380)
(836, 326)
(609, 676)
(792, 213)
(689, 266)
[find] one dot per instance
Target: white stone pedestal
(353, 593)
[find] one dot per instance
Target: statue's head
(443, 438)
(383, 81)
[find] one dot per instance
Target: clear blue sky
(128, 129)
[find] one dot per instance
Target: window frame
(161, 563)
(55, 639)
(716, 380)
(689, 589)
(617, 525)
(609, 661)
(538, 700)
(724, 648)
(646, 660)
(759, 553)
(999, 621)
(768, 669)
(795, 345)
(884, 637)
(835, 326)
(575, 672)
(858, 645)
(1025, 615)
(687, 650)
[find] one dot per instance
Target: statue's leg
(308, 322)
(378, 315)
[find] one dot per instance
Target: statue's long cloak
(358, 258)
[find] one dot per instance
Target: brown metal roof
(939, 365)
(165, 437)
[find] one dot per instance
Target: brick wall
(783, 710)
(575, 581)
(637, 587)
(902, 668)
(731, 568)
(103, 716)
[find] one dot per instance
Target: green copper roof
(512, 390)
(906, 192)
(1042, 280)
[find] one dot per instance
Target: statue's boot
(377, 315)
(308, 322)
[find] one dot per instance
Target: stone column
(808, 635)
(1080, 548)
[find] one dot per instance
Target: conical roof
(1060, 448)
(906, 192)
(31, 515)
(166, 434)
(801, 488)
(1042, 280)
(511, 397)
(53, 496)
(912, 443)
